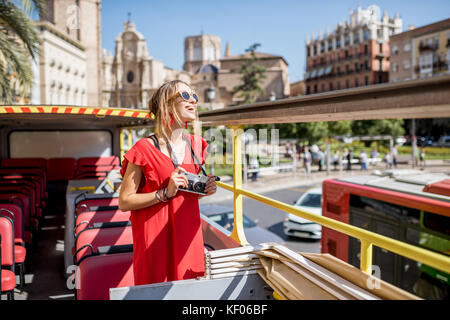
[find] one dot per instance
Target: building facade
(355, 54)
(62, 69)
(131, 75)
(79, 20)
(212, 72)
(421, 52)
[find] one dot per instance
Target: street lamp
(272, 96)
(211, 94)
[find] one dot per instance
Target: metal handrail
(368, 238)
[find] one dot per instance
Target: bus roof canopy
(85, 117)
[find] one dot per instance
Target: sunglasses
(186, 96)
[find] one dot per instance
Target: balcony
(428, 47)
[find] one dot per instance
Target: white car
(296, 226)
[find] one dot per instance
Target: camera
(196, 183)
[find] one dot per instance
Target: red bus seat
(97, 274)
(23, 201)
(17, 216)
(8, 277)
(60, 169)
(25, 162)
(98, 161)
(86, 219)
(89, 240)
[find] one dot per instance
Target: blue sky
(280, 26)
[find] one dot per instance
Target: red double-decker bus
(410, 206)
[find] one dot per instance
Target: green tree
(19, 41)
(252, 75)
(393, 127)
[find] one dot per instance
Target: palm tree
(19, 41)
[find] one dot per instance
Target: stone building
(77, 24)
(131, 75)
(210, 72)
(61, 72)
(355, 54)
(421, 52)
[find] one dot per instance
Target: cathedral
(131, 75)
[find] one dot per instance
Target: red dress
(167, 237)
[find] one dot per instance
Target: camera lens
(198, 187)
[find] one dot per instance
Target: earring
(186, 125)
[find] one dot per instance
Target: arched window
(130, 76)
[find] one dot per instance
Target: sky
(280, 26)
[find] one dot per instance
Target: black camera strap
(172, 156)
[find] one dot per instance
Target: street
(272, 219)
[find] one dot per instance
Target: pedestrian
(166, 225)
(363, 160)
(335, 159)
(320, 158)
(254, 165)
(307, 162)
(388, 160)
(394, 154)
(422, 158)
(349, 159)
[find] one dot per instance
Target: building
(297, 88)
(78, 23)
(355, 54)
(214, 77)
(131, 75)
(421, 52)
(61, 70)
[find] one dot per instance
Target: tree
(19, 41)
(252, 75)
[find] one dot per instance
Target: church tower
(201, 50)
(80, 20)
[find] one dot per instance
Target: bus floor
(45, 279)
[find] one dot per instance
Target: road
(272, 219)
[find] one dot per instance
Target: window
(315, 88)
(322, 87)
(308, 51)
(366, 35)
(356, 37)
(407, 47)
(347, 68)
(331, 86)
(394, 67)
(356, 66)
(308, 90)
(366, 65)
(130, 76)
(330, 45)
(356, 82)
(347, 83)
(366, 80)
(338, 43)
(339, 85)
(406, 64)
(366, 49)
(394, 49)
(381, 48)
(322, 47)
(347, 40)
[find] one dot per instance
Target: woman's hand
(211, 186)
(176, 180)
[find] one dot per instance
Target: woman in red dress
(167, 235)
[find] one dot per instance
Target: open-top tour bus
(61, 164)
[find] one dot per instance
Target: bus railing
(368, 239)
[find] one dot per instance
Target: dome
(208, 68)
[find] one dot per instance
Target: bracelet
(158, 196)
(165, 194)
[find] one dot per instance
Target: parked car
(443, 141)
(296, 226)
(224, 216)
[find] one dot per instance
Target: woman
(167, 235)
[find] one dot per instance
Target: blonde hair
(162, 105)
